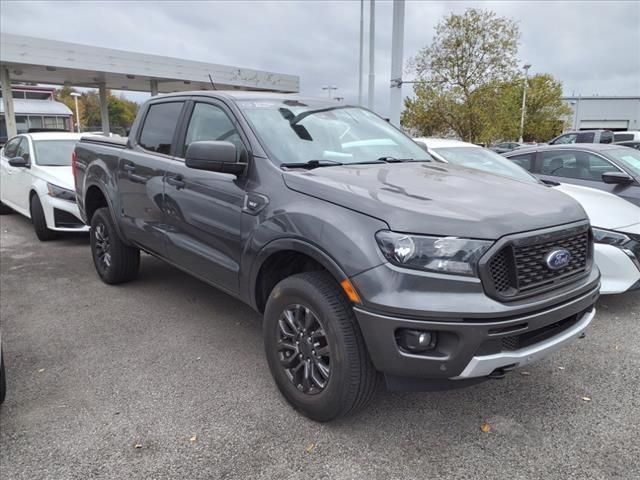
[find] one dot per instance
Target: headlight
(437, 254)
(610, 237)
(61, 193)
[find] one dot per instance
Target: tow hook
(499, 373)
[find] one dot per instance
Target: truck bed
(116, 142)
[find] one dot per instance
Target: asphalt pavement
(165, 378)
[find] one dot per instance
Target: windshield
(54, 153)
(485, 160)
(629, 157)
(298, 132)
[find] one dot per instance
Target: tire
(351, 380)
(39, 221)
(3, 380)
(4, 210)
(115, 261)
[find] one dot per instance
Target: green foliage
(122, 112)
(471, 87)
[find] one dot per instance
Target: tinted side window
(606, 137)
(575, 164)
(525, 161)
(11, 147)
(209, 122)
(621, 137)
(160, 126)
(586, 137)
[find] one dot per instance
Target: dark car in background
(504, 147)
(584, 136)
(612, 168)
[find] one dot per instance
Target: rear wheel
(314, 347)
(115, 261)
(39, 221)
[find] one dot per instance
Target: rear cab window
(606, 137)
(622, 137)
(159, 127)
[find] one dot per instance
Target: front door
(141, 172)
(204, 209)
(19, 186)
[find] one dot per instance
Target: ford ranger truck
(364, 257)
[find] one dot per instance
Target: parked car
(36, 181)
(612, 168)
(584, 136)
(630, 143)
(505, 147)
(616, 222)
(362, 254)
(626, 136)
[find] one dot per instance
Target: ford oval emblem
(557, 259)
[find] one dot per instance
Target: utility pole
(329, 88)
(372, 54)
(75, 96)
(524, 100)
(397, 41)
(361, 67)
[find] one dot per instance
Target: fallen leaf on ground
(137, 445)
(560, 368)
(310, 448)
(485, 427)
(586, 399)
(194, 438)
(41, 370)
(525, 374)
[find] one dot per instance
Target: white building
(601, 112)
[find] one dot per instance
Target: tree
(469, 54)
(122, 112)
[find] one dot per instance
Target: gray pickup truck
(362, 254)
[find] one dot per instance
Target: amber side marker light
(350, 290)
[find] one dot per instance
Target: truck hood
(604, 209)
(60, 176)
(437, 199)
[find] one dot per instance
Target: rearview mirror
(214, 157)
(616, 177)
(20, 162)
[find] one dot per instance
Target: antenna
(212, 84)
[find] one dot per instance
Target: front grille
(519, 268)
(527, 339)
(64, 219)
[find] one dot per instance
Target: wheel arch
(289, 256)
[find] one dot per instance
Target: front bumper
(474, 347)
(620, 269)
(62, 215)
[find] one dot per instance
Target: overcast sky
(593, 47)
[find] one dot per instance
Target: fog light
(415, 341)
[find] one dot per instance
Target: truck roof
(239, 95)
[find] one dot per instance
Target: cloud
(592, 47)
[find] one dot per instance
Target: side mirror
(214, 157)
(616, 177)
(20, 162)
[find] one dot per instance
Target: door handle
(176, 181)
(129, 167)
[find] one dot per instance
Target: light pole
(524, 100)
(75, 96)
(329, 88)
(361, 66)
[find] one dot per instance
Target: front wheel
(39, 221)
(115, 261)
(314, 347)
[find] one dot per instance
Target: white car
(615, 222)
(36, 181)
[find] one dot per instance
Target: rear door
(204, 209)
(141, 171)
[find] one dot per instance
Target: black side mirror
(214, 157)
(616, 177)
(20, 162)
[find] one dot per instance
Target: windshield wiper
(401, 160)
(311, 164)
